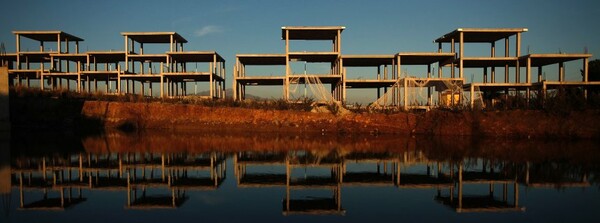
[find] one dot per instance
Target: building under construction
(394, 88)
(117, 71)
(441, 84)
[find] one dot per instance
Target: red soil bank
(514, 124)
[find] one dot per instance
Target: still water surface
(210, 177)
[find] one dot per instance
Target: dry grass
(302, 104)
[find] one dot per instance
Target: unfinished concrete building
(387, 77)
(395, 88)
(290, 79)
(41, 65)
(487, 91)
(51, 67)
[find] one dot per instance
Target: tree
(594, 75)
(593, 70)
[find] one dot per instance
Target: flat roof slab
(107, 56)
(81, 57)
(367, 60)
(154, 37)
(35, 57)
(196, 56)
(261, 80)
(369, 83)
(9, 57)
(479, 35)
(323, 78)
(425, 58)
(47, 36)
(498, 86)
(261, 59)
(311, 32)
(314, 57)
(149, 57)
(547, 59)
(477, 62)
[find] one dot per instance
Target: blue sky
(372, 27)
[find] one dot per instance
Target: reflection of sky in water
(360, 202)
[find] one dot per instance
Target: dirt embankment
(514, 124)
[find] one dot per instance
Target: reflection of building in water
(395, 161)
(272, 164)
(482, 203)
(5, 176)
(552, 174)
(41, 175)
(313, 179)
(305, 172)
(332, 181)
(131, 172)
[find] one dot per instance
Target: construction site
(130, 71)
(440, 81)
(397, 89)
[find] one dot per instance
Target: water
(233, 177)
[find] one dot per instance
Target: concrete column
(561, 71)
(462, 49)
(452, 48)
(493, 69)
(485, 75)
(528, 71)
(58, 42)
(585, 69)
(171, 43)
(118, 88)
(471, 95)
(235, 75)
(540, 73)
(67, 45)
(286, 87)
(339, 41)
(223, 85)
(162, 76)
(213, 69)
(428, 70)
(344, 84)
(18, 49)
(506, 54)
(126, 54)
(405, 94)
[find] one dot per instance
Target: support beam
(18, 49)
(286, 86)
(453, 50)
(471, 96)
(462, 49)
(171, 43)
(561, 72)
(518, 54)
(485, 75)
(506, 54)
(528, 71)
(585, 69)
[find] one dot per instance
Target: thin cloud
(207, 30)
